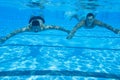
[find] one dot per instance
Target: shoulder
(99, 23)
(81, 23)
(48, 26)
(51, 26)
(25, 28)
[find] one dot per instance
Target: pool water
(47, 55)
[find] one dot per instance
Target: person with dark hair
(36, 24)
(89, 23)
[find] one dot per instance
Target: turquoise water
(90, 55)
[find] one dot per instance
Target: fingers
(68, 31)
(119, 32)
(2, 40)
(68, 37)
(116, 31)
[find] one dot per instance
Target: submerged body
(89, 23)
(36, 24)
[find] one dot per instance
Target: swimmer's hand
(119, 32)
(116, 31)
(68, 31)
(2, 40)
(69, 36)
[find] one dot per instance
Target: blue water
(90, 55)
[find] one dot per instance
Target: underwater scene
(59, 40)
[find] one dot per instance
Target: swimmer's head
(90, 17)
(36, 17)
(36, 22)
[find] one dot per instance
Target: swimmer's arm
(13, 34)
(79, 25)
(57, 28)
(99, 23)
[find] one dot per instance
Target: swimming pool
(48, 55)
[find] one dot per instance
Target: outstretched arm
(57, 28)
(2, 40)
(99, 23)
(79, 25)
